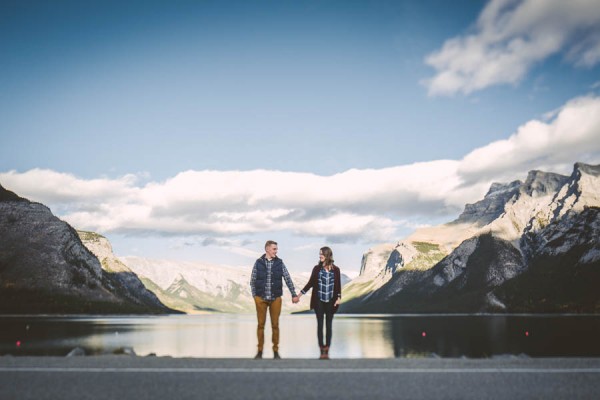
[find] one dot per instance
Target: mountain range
(199, 287)
(529, 246)
(193, 286)
(46, 266)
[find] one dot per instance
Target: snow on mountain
(197, 286)
(210, 278)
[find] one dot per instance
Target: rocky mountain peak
(581, 189)
(581, 168)
(45, 267)
(498, 188)
(374, 258)
(101, 248)
(7, 195)
(492, 206)
(539, 183)
(97, 244)
(178, 283)
(502, 195)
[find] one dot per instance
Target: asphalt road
(128, 377)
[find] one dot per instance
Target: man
(267, 290)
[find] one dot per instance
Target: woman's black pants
(324, 310)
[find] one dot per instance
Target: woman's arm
(311, 283)
(337, 286)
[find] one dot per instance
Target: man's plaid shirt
(268, 295)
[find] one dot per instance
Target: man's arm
(253, 281)
(288, 281)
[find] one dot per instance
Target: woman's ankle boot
(323, 355)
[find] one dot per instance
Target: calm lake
(354, 336)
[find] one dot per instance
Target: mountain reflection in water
(354, 336)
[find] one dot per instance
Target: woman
(326, 296)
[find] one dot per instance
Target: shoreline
(366, 315)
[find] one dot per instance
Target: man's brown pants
(274, 307)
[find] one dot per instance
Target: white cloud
(309, 246)
(61, 187)
(510, 37)
(567, 135)
(356, 205)
(234, 246)
(350, 206)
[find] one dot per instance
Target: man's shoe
(258, 356)
(276, 356)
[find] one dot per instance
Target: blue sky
(122, 98)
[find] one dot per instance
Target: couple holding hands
(267, 289)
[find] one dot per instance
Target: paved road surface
(126, 377)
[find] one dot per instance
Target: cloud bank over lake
(358, 205)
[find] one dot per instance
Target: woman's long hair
(328, 256)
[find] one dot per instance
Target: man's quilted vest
(276, 277)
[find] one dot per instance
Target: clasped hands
(296, 299)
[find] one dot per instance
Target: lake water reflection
(355, 336)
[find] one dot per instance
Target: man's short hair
(270, 242)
